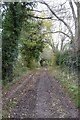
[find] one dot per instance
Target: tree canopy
(26, 33)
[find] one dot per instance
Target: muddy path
(44, 99)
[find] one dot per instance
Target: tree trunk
(78, 13)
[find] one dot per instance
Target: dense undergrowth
(69, 81)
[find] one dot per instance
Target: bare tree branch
(58, 32)
(40, 17)
(39, 10)
(63, 3)
(73, 12)
(59, 18)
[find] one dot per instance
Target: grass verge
(69, 82)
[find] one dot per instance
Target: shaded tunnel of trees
(23, 38)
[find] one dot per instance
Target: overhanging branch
(58, 18)
(58, 32)
(39, 17)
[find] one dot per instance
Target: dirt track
(44, 99)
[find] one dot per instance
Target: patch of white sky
(56, 24)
